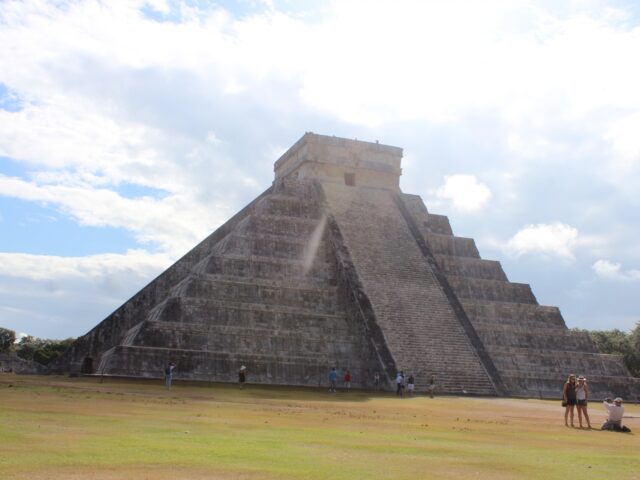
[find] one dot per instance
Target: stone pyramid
(334, 266)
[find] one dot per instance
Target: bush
(7, 339)
(42, 351)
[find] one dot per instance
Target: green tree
(7, 339)
(43, 351)
(620, 343)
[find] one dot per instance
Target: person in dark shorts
(399, 383)
(582, 395)
(569, 398)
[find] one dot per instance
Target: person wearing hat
(615, 412)
(582, 395)
(242, 375)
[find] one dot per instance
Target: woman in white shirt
(582, 395)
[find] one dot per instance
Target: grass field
(61, 428)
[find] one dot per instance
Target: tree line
(39, 350)
(620, 343)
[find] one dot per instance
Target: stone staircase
(529, 344)
(419, 326)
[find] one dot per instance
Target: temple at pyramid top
(340, 160)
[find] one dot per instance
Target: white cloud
(553, 240)
(613, 271)
(174, 223)
(624, 135)
(464, 192)
(52, 269)
(54, 297)
(111, 99)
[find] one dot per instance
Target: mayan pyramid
(334, 266)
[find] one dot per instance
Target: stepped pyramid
(334, 266)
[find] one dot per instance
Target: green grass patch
(59, 428)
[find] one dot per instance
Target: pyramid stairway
(420, 328)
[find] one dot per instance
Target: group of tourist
(333, 380)
(575, 396)
(402, 382)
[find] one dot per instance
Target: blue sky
(129, 131)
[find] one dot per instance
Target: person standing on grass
(333, 378)
(376, 381)
(431, 387)
(410, 385)
(582, 395)
(569, 398)
(347, 380)
(242, 375)
(399, 383)
(168, 375)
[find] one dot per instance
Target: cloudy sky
(131, 130)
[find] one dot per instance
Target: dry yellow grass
(60, 428)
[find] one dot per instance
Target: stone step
(480, 311)
(321, 299)
(526, 337)
(438, 224)
(471, 267)
(202, 310)
(549, 385)
(243, 340)
(309, 370)
(493, 290)
(289, 206)
(426, 222)
(452, 246)
(267, 245)
(257, 266)
(541, 360)
(289, 227)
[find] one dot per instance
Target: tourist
(582, 396)
(399, 383)
(569, 398)
(242, 376)
(168, 375)
(347, 380)
(615, 412)
(431, 387)
(376, 380)
(333, 378)
(410, 385)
